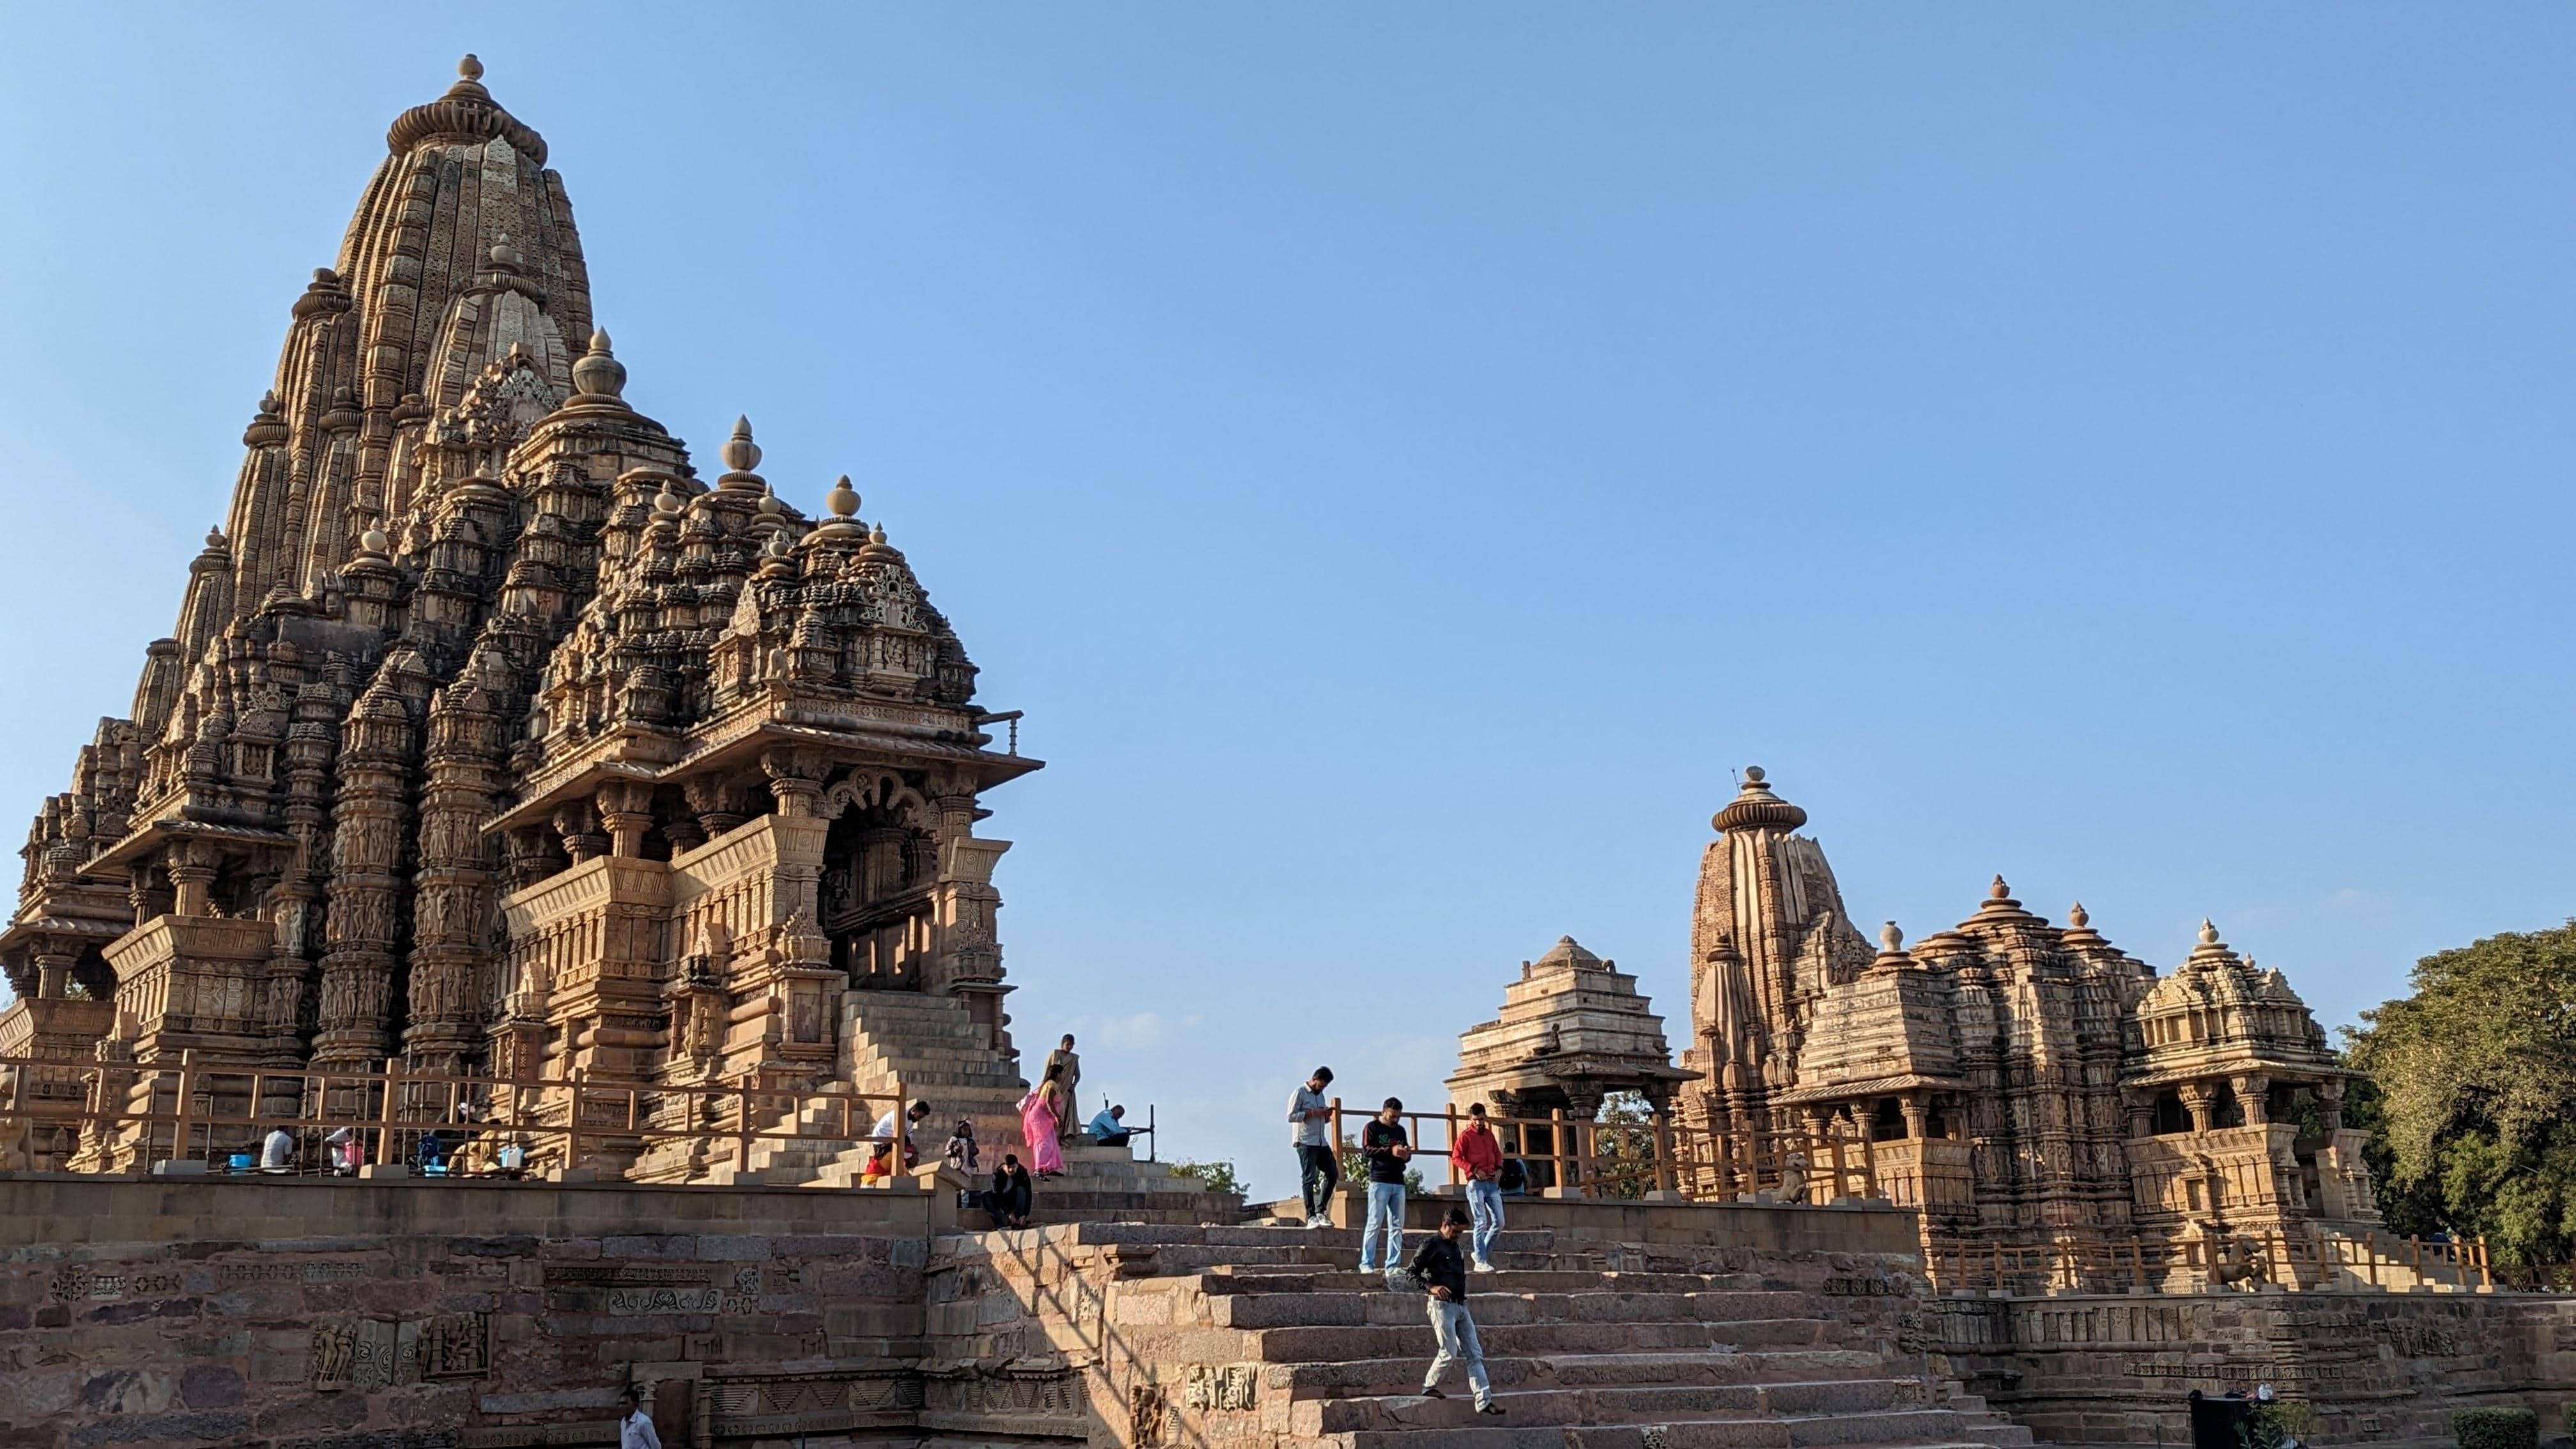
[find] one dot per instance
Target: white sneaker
(1483, 1267)
(1319, 1222)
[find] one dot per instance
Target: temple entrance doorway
(879, 864)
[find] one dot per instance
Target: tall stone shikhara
(492, 738)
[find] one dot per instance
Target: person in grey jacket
(1310, 1127)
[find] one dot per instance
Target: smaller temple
(2025, 1084)
(1572, 1031)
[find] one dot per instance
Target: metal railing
(213, 1113)
(1596, 1159)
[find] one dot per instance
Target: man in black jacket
(1440, 1266)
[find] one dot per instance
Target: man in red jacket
(1480, 1156)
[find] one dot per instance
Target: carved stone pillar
(578, 825)
(2253, 1097)
(626, 808)
(717, 805)
(2142, 1114)
(1918, 1117)
(192, 873)
(54, 958)
(2202, 1100)
(2330, 1104)
(794, 781)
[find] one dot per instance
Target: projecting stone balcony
(192, 983)
(54, 1028)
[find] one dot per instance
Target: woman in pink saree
(1040, 1112)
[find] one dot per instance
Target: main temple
(2024, 1084)
(493, 738)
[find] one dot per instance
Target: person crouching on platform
(1441, 1269)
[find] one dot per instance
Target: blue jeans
(1385, 1214)
(1456, 1334)
(1485, 1202)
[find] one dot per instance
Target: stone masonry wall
(2380, 1367)
(300, 1314)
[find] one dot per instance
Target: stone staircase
(941, 1055)
(1266, 1338)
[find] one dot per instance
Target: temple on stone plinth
(2024, 1084)
(1572, 1031)
(494, 738)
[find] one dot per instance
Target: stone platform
(338, 1314)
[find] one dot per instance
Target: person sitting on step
(1109, 1129)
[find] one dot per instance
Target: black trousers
(1321, 1170)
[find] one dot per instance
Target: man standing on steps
(1310, 1127)
(1068, 1120)
(1442, 1271)
(1384, 1144)
(1479, 1154)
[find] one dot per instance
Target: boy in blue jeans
(1384, 1144)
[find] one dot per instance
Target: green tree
(2472, 1103)
(1624, 1139)
(1219, 1176)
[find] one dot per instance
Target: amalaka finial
(598, 373)
(374, 542)
(1999, 891)
(1753, 774)
(843, 500)
(215, 536)
(740, 453)
(505, 257)
(2208, 932)
(470, 67)
(1890, 939)
(667, 503)
(2076, 916)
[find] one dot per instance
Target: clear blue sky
(1403, 459)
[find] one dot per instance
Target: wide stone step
(1657, 1403)
(1499, 1308)
(1455, 1425)
(1591, 1370)
(1509, 1281)
(1315, 1343)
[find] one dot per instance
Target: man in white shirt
(636, 1431)
(913, 1118)
(277, 1153)
(1310, 1127)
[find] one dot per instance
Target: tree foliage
(1625, 1140)
(2472, 1099)
(1219, 1176)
